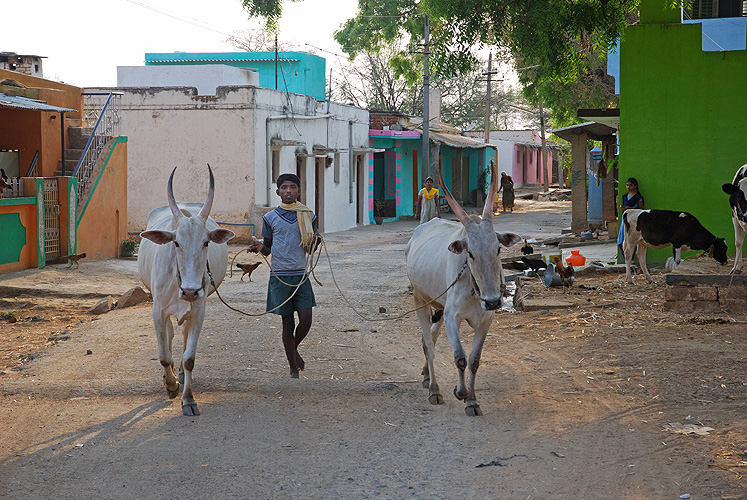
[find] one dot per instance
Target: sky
(85, 40)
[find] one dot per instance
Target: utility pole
(426, 166)
(545, 183)
(487, 99)
(489, 74)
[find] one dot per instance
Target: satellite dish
(470, 127)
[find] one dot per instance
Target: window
(337, 168)
(709, 9)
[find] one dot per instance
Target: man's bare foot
(299, 361)
(294, 373)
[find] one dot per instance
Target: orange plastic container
(576, 258)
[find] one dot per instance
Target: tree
(370, 82)
(591, 88)
(258, 41)
(562, 37)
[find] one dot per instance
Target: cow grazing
(737, 192)
(467, 254)
(661, 228)
(176, 253)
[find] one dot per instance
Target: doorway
(385, 185)
(361, 190)
(319, 164)
(460, 178)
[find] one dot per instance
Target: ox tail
(436, 317)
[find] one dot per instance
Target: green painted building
(296, 72)
(683, 115)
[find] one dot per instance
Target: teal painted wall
(302, 74)
(408, 195)
(14, 238)
(683, 116)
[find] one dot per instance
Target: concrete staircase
(78, 137)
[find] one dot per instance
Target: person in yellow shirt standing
(428, 206)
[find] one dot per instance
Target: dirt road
(575, 400)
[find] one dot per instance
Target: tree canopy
(564, 38)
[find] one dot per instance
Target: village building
(520, 155)
(249, 135)
(26, 64)
(398, 173)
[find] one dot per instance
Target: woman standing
(428, 205)
(507, 185)
(631, 199)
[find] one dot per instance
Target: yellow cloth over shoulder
(304, 223)
(430, 194)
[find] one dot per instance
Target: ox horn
(487, 211)
(455, 206)
(172, 202)
(211, 192)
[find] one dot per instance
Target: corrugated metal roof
(156, 62)
(595, 131)
(457, 141)
(9, 101)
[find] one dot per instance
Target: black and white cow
(661, 228)
(737, 192)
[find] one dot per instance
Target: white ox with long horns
(467, 255)
(177, 253)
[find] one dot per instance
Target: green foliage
(270, 10)
(8, 315)
(564, 39)
(129, 245)
(591, 88)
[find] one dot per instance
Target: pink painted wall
(533, 158)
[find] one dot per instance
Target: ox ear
(458, 246)
(220, 235)
(729, 188)
(158, 237)
(508, 239)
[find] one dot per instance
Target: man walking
(289, 233)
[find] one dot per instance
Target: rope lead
(309, 271)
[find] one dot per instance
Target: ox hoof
(426, 383)
(436, 399)
(190, 409)
(173, 393)
(458, 396)
(473, 411)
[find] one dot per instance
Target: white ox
(173, 263)
(737, 192)
(467, 254)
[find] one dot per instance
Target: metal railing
(101, 110)
(32, 168)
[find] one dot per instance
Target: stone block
(132, 297)
(691, 293)
(102, 306)
(685, 306)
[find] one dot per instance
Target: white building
(248, 135)
(206, 78)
